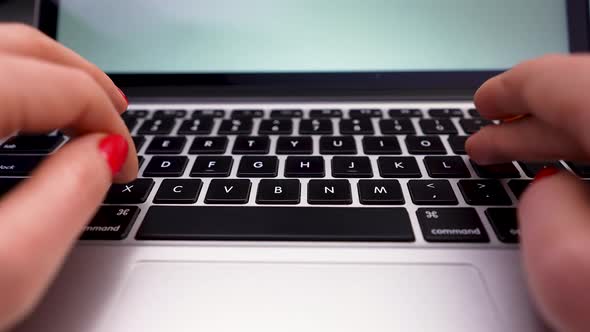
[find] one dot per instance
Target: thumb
(42, 217)
(554, 215)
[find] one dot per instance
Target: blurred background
(17, 10)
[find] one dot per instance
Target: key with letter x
(130, 193)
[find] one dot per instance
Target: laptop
(302, 166)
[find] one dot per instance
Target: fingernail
(546, 172)
(514, 118)
(114, 148)
(124, 97)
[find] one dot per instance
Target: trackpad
(173, 296)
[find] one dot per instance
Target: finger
(42, 217)
(551, 88)
(38, 97)
(555, 232)
(527, 139)
(24, 40)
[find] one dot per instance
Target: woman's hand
(554, 213)
(45, 86)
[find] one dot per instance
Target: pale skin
(45, 86)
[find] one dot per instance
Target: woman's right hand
(45, 86)
(554, 212)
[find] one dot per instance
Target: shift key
(18, 165)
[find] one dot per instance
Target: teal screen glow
(268, 36)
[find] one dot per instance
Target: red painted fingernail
(124, 96)
(114, 148)
(546, 172)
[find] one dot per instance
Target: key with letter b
(278, 192)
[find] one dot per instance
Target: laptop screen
(293, 36)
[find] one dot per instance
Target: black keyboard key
(518, 187)
(329, 192)
(240, 114)
(139, 141)
(351, 167)
(446, 167)
(111, 223)
(305, 167)
(438, 126)
(294, 145)
(337, 145)
(432, 192)
(356, 127)
(325, 113)
(316, 127)
(484, 192)
(7, 184)
(474, 113)
(445, 113)
(208, 145)
(365, 113)
(257, 167)
(169, 114)
(31, 144)
(497, 171)
(582, 170)
(217, 166)
(398, 167)
(531, 169)
(251, 145)
(135, 114)
(18, 165)
(286, 114)
(504, 223)
(135, 192)
(156, 127)
(457, 143)
(397, 127)
(140, 160)
(166, 145)
(405, 113)
(228, 192)
(425, 145)
(165, 167)
(202, 126)
(235, 127)
(471, 126)
(381, 145)
(276, 223)
(198, 114)
(380, 192)
(178, 191)
(131, 123)
(278, 192)
(276, 127)
(451, 225)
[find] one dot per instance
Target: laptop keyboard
(369, 174)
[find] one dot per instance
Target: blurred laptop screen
(278, 36)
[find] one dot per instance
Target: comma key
(111, 223)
